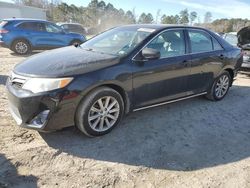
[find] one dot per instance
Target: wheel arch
(115, 86)
(230, 70)
(20, 38)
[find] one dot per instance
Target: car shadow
(183, 136)
(3, 79)
(9, 176)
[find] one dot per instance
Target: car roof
(65, 23)
(24, 19)
(160, 26)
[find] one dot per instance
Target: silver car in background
(242, 40)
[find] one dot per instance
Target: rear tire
(21, 47)
(220, 87)
(99, 112)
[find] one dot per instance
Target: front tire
(76, 43)
(220, 87)
(21, 47)
(99, 112)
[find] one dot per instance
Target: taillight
(2, 31)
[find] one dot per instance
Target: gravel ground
(193, 143)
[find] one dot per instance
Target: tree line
(100, 16)
(226, 25)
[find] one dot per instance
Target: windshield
(231, 39)
(118, 41)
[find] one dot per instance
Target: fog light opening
(40, 119)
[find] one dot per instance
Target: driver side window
(169, 44)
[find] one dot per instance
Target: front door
(162, 79)
(54, 36)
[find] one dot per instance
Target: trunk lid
(244, 38)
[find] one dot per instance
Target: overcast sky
(218, 8)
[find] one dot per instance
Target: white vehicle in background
(231, 38)
(242, 40)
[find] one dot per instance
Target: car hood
(64, 62)
(244, 38)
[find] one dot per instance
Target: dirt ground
(193, 143)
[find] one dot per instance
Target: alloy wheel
(104, 113)
(222, 86)
(21, 47)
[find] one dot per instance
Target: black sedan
(125, 69)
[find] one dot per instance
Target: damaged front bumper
(45, 112)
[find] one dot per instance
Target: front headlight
(37, 85)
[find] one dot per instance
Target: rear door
(163, 79)
(207, 60)
(34, 32)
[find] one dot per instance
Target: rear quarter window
(217, 45)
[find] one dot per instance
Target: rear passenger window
(75, 28)
(200, 42)
(72, 28)
(217, 45)
(35, 26)
(25, 25)
(169, 44)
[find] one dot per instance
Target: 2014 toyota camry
(124, 69)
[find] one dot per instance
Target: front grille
(17, 81)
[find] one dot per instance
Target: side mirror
(151, 54)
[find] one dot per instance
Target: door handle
(185, 62)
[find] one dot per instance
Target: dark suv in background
(73, 28)
(24, 35)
